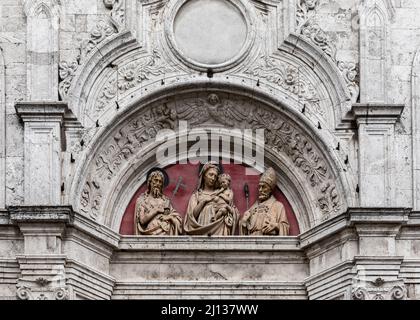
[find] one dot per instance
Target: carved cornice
(44, 214)
(41, 111)
(377, 113)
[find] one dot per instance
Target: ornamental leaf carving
(67, 72)
(281, 136)
(129, 76)
(102, 31)
(350, 72)
(289, 78)
(305, 9)
(312, 31)
(117, 8)
(145, 68)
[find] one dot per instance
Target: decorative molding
(67, 72)
(281, 137)
(350, 71)
(129, 76)
(312, 31)
(104, 29)
(379, 290)
(117, 8)
(305, 10)
(289, 78)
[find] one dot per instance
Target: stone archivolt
(282, 137)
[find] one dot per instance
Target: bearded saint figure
(154, 214)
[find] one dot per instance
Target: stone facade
(85, 85)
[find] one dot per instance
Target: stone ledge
(52, 214)
(209, 290)
(376, 113)
(41, 111)
(204, 243)
(379, 215)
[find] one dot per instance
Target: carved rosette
(280, 136)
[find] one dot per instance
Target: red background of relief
(189, 174)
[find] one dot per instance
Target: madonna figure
(210, 211)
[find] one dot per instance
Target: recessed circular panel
(210, 32)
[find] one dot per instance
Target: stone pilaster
(42, 265)
(377, 265)
(377, 161)
(42, 151)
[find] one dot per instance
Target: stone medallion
(209, 34)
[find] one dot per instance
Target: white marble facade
(77, 75)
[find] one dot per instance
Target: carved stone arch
(328, 73)
(115, 155)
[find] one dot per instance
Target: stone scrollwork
(289, 78)
(386, 291)
(130, 76)
(145, 68)
(281, 137)
(305, 10)
(102, 31)
(312, 31)
(351, 75)
(117, 8)
(91, 198)
(67, 73)
(25, 292)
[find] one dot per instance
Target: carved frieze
(280, 136)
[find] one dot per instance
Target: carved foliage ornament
(289, 78)
(311, 30)
(281, 136)
(128, 77)
(102, 31)
(305, 10)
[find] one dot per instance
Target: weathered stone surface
(335, 83)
